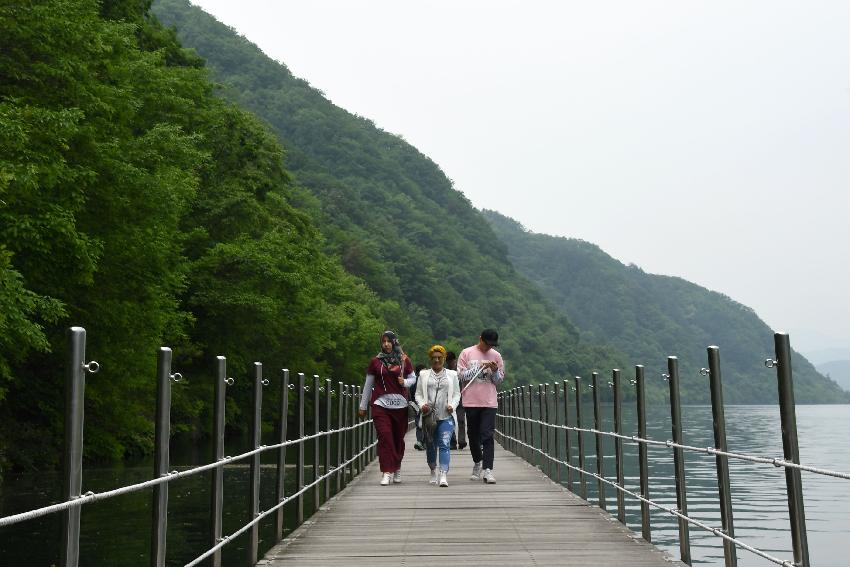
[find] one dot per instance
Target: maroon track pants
(390, 425)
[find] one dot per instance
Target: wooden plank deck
(524, 519)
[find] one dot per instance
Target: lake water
(116, 532)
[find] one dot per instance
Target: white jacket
(453, 397)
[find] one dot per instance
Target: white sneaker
(476, 472)
(443, 480)
(386, 479)
(488, 477)
(433, 477)
(397, 477)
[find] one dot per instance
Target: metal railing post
(580, 439)
(75, 386)
(522, 424)
(567, 441)
(618, 445)
(600, 457)
(328, 408)
(361, 434)
(355, 433)
(254, 478)
(557, 433)
(791, 449)
(317, 450)
(679, 458)
(283, 413)
(643, 464)
(730, 552)
(300, 457)
(217, 489)
(550, 470)
(162, 435)
(542, 449)
(340, 436)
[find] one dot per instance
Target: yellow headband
(437, 348)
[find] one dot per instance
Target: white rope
(634, 439)
(227, 539)
(716, 531)
(89, 497)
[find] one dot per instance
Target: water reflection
(117, 531)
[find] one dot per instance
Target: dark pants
(390, 426)
(480, 424)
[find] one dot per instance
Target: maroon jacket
(386, 380)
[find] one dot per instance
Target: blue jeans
(442, 439)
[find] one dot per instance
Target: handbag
(429, 420)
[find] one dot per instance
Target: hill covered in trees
(650, 317)
(391, 215)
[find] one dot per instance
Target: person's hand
(401, 380)
(425, 409)
(450, 409)
(491, 364)
(362, 413)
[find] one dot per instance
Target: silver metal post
(679, 458)
(545, 419)
(791, 449)
(361, 434)
(567, 441)
(523, 425)
(75, 386)
(580, 439)
(162, 435)
(355, 433)
(618, 446)
(217, 489)
(317, 450)
(541, 446)
(300, 458)
(730, 553)
(555, 405)
(600, 457)
(283, 413)
(643, 464)
(328, 392)
(254, 479)
(340, 436)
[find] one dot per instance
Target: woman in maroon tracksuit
(388, 378)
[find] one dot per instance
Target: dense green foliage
(392, 215)
(650, 317)
(139, 205)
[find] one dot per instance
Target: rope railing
(672, 511)
(635, 440)
(353, 438)
(227, 539)
(89, 497)
(520, 427)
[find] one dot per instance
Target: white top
(442, 387)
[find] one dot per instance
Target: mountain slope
(650, 317)
(392, 215)
(837, 370)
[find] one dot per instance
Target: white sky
(708, 140)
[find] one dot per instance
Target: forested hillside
(649, 317)
(136, 203)
(391, 214)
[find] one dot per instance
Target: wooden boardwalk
(525, 519)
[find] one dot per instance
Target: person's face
(452, 364)
(437, 360)
(483, 346)
(386, 344)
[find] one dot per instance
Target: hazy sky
(708, 140)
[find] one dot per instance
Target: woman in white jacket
(438, 391)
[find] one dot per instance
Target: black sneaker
(462, 446)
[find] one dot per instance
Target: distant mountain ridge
(391, 215)
(838, 371)
(650, 316)
(397, 222)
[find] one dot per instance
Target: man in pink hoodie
(480, 369)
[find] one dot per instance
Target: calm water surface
(116, 532)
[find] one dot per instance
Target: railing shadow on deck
(536, 439)
(335, 426)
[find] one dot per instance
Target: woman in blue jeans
(438, 391)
